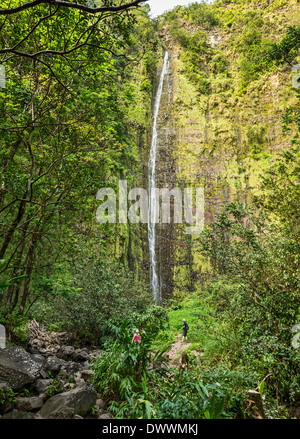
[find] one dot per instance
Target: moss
(232, 125)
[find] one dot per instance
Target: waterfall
(152, 202)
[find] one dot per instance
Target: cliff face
(220, 121)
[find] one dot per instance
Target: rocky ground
(51, 377)
(53, 380)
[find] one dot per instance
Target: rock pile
(53, 379)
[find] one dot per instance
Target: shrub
(123, 366)
(7, 399)
(123, 372)
(287, 49)
(102, 290)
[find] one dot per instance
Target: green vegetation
(54, 388)
(287, 49)
(138, 384)
(75, 117)
(101, 290)
(7, 399)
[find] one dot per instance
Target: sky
(160, 6)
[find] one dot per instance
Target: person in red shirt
(136, 337)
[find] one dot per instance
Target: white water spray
(152, 210)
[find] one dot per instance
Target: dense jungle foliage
(75, 116)
(70, 124)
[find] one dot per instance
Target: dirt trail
(177, 348)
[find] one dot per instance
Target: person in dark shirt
(184, 330)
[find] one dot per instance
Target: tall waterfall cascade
(152, 201)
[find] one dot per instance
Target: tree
(45, 31)
(65, 132)
(99, 291)
(257, 262)
(286, 50)
(72, 5)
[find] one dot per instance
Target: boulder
(81, 355)
(85, 365)
(66, 353)
(78, 417)
(69, 386)
(63, 413)
(30, 404)
(100, 412)
(34, 346)
(72, 367)
(79, 382)
(100, 403)
(17, 369)
(105, 416)
(3, 385)
(37, 358)
(63, 374)
(41, 385)
(45, 352)
(87, 375)
(53, 365)
(18, 414)
(80, 399)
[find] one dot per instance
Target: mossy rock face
(222, 138)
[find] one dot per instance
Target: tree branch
(31, 31)
(72, 5)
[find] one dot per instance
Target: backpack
(187, 327)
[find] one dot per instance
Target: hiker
(184, 330)
(136, 337)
